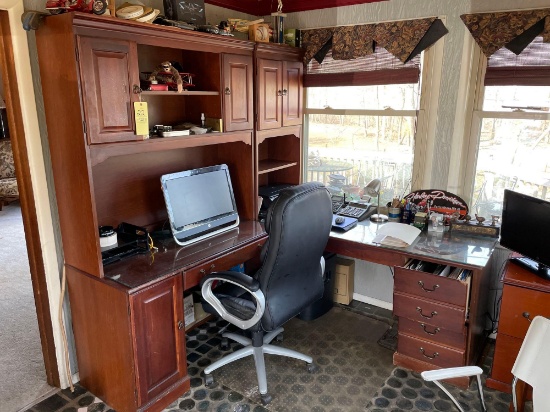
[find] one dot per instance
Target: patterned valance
(404, 39)
(513, 30)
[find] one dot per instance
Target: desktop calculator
(360, 211)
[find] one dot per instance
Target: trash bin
(323, 305)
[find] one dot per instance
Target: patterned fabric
(493, 31)
(8, 184)
(350, 42)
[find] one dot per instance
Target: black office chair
(289, 280)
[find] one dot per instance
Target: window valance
(404, 39)
(513, 30)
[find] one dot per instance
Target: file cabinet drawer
(506, 352)
(421, 310)
(433, 333)
(431, 286)
(426, 351)
(515, 302)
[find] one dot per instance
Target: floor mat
(352, 366)
(407, 391)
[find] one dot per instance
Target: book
(396, 235)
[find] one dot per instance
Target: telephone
(360, 211)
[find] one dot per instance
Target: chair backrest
(291, 278)
(533, 361)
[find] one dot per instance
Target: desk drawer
(192, 277)
(515, 302)
(422, 310)
(506, 352)
(425, 351)
(433, 333)
(430, 286)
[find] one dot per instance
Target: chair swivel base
(258, 353)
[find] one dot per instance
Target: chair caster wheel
(311, 367)
(224, 345)
(208, 380)
(280, 337)
(266, 398)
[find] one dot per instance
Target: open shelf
(174, 93)
(270, 165)
(101, 152)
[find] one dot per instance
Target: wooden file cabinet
(524, 296)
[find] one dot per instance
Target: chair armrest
(238, 278)
(243, 281)
(440, 374)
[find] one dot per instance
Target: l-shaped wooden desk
(442, 321)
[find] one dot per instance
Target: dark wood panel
(506, 351)
(269, 94)
(158, 324)
(429, 286)
(238, 92)
(265, 7)
(68, 145)
(519, 276)
(101, 325)
(442, 315)
(366, 252)
(516, 302)
(292, 93)
(426, 351)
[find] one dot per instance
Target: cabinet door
(108, 71)
(270, 91)
(159, 336)
(292, 93)
(237, 89)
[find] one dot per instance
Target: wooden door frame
(27, 195)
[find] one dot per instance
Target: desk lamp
(373, 189)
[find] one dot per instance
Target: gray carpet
(23, 377)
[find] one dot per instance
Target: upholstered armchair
(8, 184)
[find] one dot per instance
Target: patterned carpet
(354, 355)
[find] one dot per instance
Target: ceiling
(266, 7)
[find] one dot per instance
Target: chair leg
(277, 350)
(243, 340)
(268, 337)
(480, 391)
(451, 397)
(260, 369)
(239, 354)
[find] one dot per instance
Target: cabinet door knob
(279, 92)
(202, 271)
(427, 290)
(285, 91)
(137, 89)
(419, 309)
(435, 355)
(181, 325)
(527, 316)
(212, 267)
(227, 91)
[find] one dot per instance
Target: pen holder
(394, 214)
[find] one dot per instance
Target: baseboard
(372, 301)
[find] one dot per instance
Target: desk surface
(139, 270)
(455, 249)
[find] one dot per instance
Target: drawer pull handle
(181, 325)
(527, 316)
(430, 333)
(202, 272)
(435, 355)
(427, 290)
(419, 309)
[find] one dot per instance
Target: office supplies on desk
(346, 224)
(396, 234)
(360, 211)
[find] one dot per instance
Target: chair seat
(8, 187)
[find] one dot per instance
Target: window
(360, 123)
(511, 131)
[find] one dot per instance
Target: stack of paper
(396, 234)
